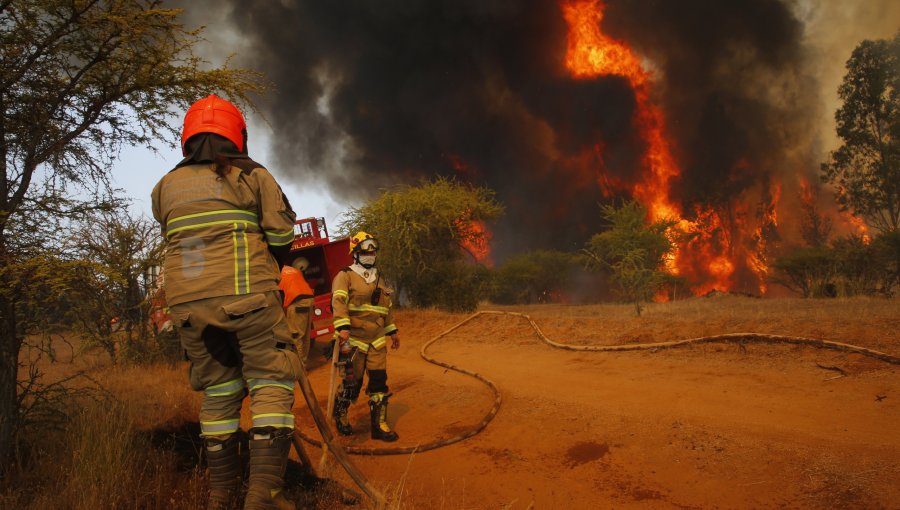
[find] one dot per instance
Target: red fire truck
(325, 258)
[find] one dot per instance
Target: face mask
(367, 260)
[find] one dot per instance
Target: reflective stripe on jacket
(219, 231)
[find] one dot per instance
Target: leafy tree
(808, 271)
(858, 265)
(633, 251)
(112, 304)
(425, 233)
(457, 287)
(78, 81)
(887, 247)
(815, 227)
(866, 167)
(534, 276)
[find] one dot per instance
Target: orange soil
(709, 426)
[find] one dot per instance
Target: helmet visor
(368, 245)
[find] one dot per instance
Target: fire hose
(336, 449)
(739, 338)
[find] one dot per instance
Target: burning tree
(426, 233)
(633, 251)
(866, 167)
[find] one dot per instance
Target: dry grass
(124, 451)
(867, 322)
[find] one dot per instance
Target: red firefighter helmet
(212, 114)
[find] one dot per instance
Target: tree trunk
(10, 343)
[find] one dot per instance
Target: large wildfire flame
(711, 254)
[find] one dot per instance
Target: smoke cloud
(372, 94)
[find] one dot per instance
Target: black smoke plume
(375, 93)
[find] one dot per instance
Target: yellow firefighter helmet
(363, 242)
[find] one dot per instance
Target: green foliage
(807, 271)
(852, 265)
(887, 245)
(457, 287)
(112, 306)
(859, 268)
(633, 251)
(534, 276)
(425, 233)
(866, 167)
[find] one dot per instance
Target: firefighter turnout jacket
(221, 231)
(369, 323)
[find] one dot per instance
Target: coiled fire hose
(739, 338)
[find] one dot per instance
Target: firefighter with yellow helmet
(363, 320)
(229, 228)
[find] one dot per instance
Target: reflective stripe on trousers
(277, 420)
(220, 427)
(255, 384)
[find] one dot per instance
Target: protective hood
(208, 147)
(369, 275)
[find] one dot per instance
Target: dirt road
(712, 426)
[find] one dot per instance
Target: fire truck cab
(325, 258)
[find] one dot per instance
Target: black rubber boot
(378, 404)
(268, 461)
(223, 459)
(341, 418)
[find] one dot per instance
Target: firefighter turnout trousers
(239, 344)
(299, 315)
(355, 364)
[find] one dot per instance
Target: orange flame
(709, 257)
(859, 225)
(591, 53)
(476, 239)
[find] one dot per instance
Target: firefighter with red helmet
(363, 320)
(228, 228)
